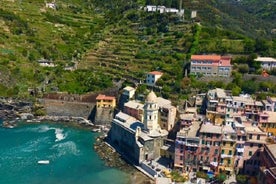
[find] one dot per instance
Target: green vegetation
(201, 174)
(177, 177)
(105, 41)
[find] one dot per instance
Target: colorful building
(134, 109)
(152, 77)
(267, 122)
(167, 113)
(253, 147)
(228, 146)
(209, 155)
(211, 65)
(105, 101)
(187, 148)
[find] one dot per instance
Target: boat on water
(43, 162)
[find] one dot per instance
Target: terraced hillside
(127, 52)
(93, 43)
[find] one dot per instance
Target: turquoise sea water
(69, 150)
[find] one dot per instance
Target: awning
(214, 164)
(228, 169)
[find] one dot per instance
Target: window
(181, 157)
(258, 137)
(231, 144)
(222, 151)
(216, 151)
(229, 161)
(202, 142)
(215, 159)
(250, 153)
(259, 145)
(251, 145)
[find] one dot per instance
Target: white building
(267, 62)
(152, 77)
(129, 91)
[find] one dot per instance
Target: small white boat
(43, 162)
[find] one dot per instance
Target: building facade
(267, 63)
(152, 77)
(105, 101)
(211, 65)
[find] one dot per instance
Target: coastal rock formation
(10, 108)
(113, 159)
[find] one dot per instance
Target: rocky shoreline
(113, 159)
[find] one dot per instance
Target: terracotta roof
(103, 97)
(205, 57)
(156, 73)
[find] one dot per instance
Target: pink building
(187, 147)
(134, 109)
(209, 155)
(211, 65)
(253, 147)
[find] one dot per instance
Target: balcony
(226, 156)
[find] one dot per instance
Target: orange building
(105, 101)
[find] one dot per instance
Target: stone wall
(68, 108)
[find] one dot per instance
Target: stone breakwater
(113, 159)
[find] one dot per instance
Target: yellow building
(105, 101)
(228, 146)
(268, 122)
(216, 118)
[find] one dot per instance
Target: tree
(242, 179)
(243, 68)
(221, 177)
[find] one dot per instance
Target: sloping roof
(162, 102)
(134, 105)
(265, 59)
(156, 73)
(205, 57)
(271, 116)
(209, 128)
(129, 88)
(272, 149)
(104, 97)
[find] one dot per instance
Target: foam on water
(66, 148)
(59, 134)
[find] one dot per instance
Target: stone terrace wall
(68, 108)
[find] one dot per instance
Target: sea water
(68, 149)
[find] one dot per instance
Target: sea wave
(65, 148)
(59, 134)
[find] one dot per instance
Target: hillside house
(152, 77)
(267, 63)
(211, 65)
